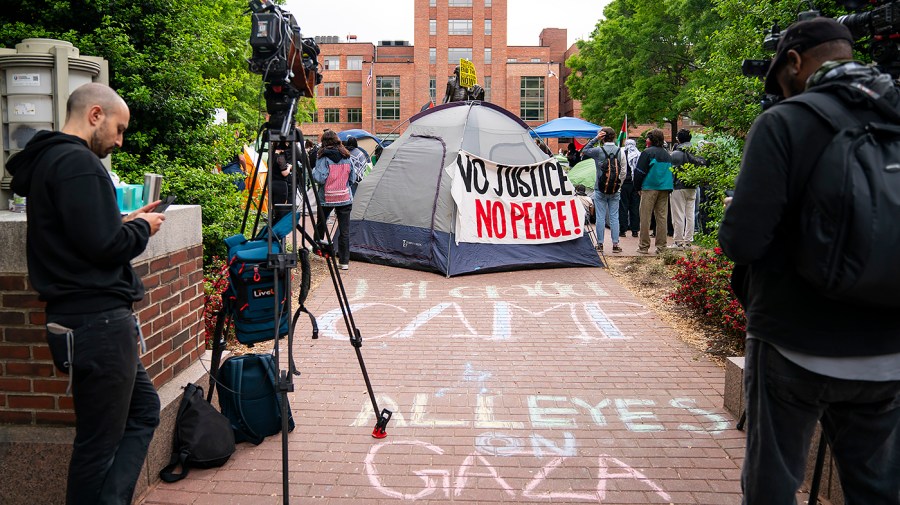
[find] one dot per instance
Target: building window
(454, 54)
(387, 97)
(432, 55)
(332, 115)
(460, 3)
(511, 60)
(332, 63)
(354, 89)
(332, 88)
(487, 3)
(432, 3)
(432, 89)
(354, 115)
(460, 27)
(531, 98)
(487, 26)
(487, 55)
(432, 27)
(487, 88)
(535, 60)
(313, 116)
(354, 62)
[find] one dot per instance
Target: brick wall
(33, 392)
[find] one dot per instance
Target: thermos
(152, 186)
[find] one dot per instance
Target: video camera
(288, 62)
(879, 27)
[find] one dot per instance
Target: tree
(641, 59)
(173, 63)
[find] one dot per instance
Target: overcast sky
(393, 20)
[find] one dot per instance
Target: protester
(606, 205)
(79, 250)
(630, 201)
(653, 181)
(334, 173)
(572, 154)
(281, 197)
(810, 357)
(358, 158)
(684, 197)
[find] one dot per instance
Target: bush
(703, 285)
(723, 154)
(215, 282)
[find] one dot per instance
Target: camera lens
(858, 23)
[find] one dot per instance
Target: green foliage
(723, 156)
(174, 63)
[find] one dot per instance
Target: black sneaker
(622, 234)
(616, 248)
(634, 234)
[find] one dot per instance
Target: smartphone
(165, 204)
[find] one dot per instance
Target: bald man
(79, 250)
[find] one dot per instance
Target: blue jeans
(604, 203)
(861, 421)
(116, 407)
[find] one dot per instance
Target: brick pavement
(553, 386)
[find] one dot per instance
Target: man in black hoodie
(79, 250)
(809, 357)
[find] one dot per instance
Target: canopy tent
(566, 127)
(407, 212)
(364, 139)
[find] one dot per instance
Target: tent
(405, 215)
(364, 139)
(566, 127)
(584, 172)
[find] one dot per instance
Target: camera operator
(809, 357)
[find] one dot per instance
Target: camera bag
(250, 296)
(249, 397)
(849, 231)
(203, 436)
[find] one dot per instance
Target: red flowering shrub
(702, 284)
(215, 282)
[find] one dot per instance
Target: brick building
(377, 87)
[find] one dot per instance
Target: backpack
(608, 172)
(336, 189)
(849, 206)
(249, 397)
(250, 296)
(203, 437)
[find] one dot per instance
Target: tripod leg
(817, 472)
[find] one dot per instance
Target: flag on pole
(623, 134)
(369, 78)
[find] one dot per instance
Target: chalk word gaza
(446, 481)
(590, 321)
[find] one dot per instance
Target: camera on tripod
(288, 62)
(878, 27)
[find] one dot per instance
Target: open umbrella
(566, 127)
(364, 139)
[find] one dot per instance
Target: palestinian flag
(623, 133)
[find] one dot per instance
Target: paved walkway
(542, 386)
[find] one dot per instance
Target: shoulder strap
(237, 375)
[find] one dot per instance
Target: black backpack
(203, 437)
(608, 172)
(850, 206)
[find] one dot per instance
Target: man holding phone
(79, 250)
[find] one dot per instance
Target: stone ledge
(24, 449)
(734, 386)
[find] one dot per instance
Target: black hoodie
(79, 252)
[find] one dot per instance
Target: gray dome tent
(404, 214)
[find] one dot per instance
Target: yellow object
(250, 157)
(467, 75)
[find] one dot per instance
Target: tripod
(281, 262)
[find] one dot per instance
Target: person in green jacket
(654, 181)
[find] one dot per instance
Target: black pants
(116, 407)
(629, 209)
(343, 238)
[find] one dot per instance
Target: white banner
(514, 204)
